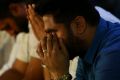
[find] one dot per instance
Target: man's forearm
(12, 75)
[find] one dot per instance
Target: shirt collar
(100, 32)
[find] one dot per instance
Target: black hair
(65, 11)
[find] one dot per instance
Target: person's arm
(34, 70)
(16, 72)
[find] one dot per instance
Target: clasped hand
(54, 55)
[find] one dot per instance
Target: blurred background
(12, 21)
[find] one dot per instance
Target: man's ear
(78, 25)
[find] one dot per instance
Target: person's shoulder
(112, 31)
(3, 34)
(4, 38)
(21, 37)
(111, 40)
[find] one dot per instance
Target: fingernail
(33, 5)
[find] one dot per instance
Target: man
(74, 26)
(24, 58)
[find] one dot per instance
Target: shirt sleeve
(11, 60)
(107, 65)
(22, 47)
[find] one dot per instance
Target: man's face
(73, 44)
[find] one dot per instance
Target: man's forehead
(47, 17)
(49, 21)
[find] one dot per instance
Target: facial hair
(75, 46)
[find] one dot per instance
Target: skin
(36, 22)
(58, 38)
(38, 28)
(55, 38)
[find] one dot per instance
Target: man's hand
(36, 22)
(54, 55)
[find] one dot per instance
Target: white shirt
(6, 44)
(106, 15)
(24, 48)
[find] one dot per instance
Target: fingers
(33, 5)
(31, 10)
(55, 43)
(30, 14)
(43, 44)
(49, 44)
(42, 55)
(40, 52)
(54, 54)
(36, 22)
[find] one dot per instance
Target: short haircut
(65, 11)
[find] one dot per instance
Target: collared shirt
(102, 61)
(106, 15)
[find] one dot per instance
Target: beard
(76, 47)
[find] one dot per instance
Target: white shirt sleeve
(11, 60)
(22, 51)
(6, 45)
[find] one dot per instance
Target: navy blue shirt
(102, 61)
